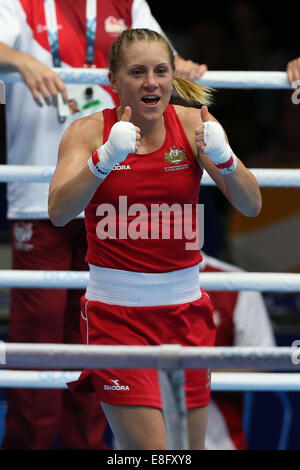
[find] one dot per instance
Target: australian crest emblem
(175, 155)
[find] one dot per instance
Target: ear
(113, 82)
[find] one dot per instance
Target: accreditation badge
(84, 100)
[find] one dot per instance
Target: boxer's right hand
(124, 138)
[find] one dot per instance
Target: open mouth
(151, 100)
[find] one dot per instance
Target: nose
(150, 80)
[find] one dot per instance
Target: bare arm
(240, 187)
(77, 176)
(40, 79)
(73, 184)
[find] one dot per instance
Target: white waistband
(135, 289)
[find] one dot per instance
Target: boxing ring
(280, 366)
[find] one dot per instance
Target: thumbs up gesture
(126, 115)
(124, 138)
(200, 139)
(211, 139)
(126, 118)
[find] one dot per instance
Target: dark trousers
(40, 419)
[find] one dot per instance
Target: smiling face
(144, 79)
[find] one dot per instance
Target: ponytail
(192, 92)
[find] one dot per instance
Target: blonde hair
(192, 92)
(189, 91)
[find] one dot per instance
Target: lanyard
(91, 22)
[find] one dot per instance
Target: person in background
(241, 319)
(36, 36)
(293, 70)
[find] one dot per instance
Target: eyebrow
(163, 64)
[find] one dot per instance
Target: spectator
(293, 70)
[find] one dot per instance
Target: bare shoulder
(190, 117)
(86, 131)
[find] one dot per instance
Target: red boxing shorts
(189, 324)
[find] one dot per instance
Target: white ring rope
(270, 282)
(274, 177)
(216, 79)
(253, 381)
(220, 381)
(164, 357)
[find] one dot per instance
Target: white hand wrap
(120, 143)
(217, 148)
